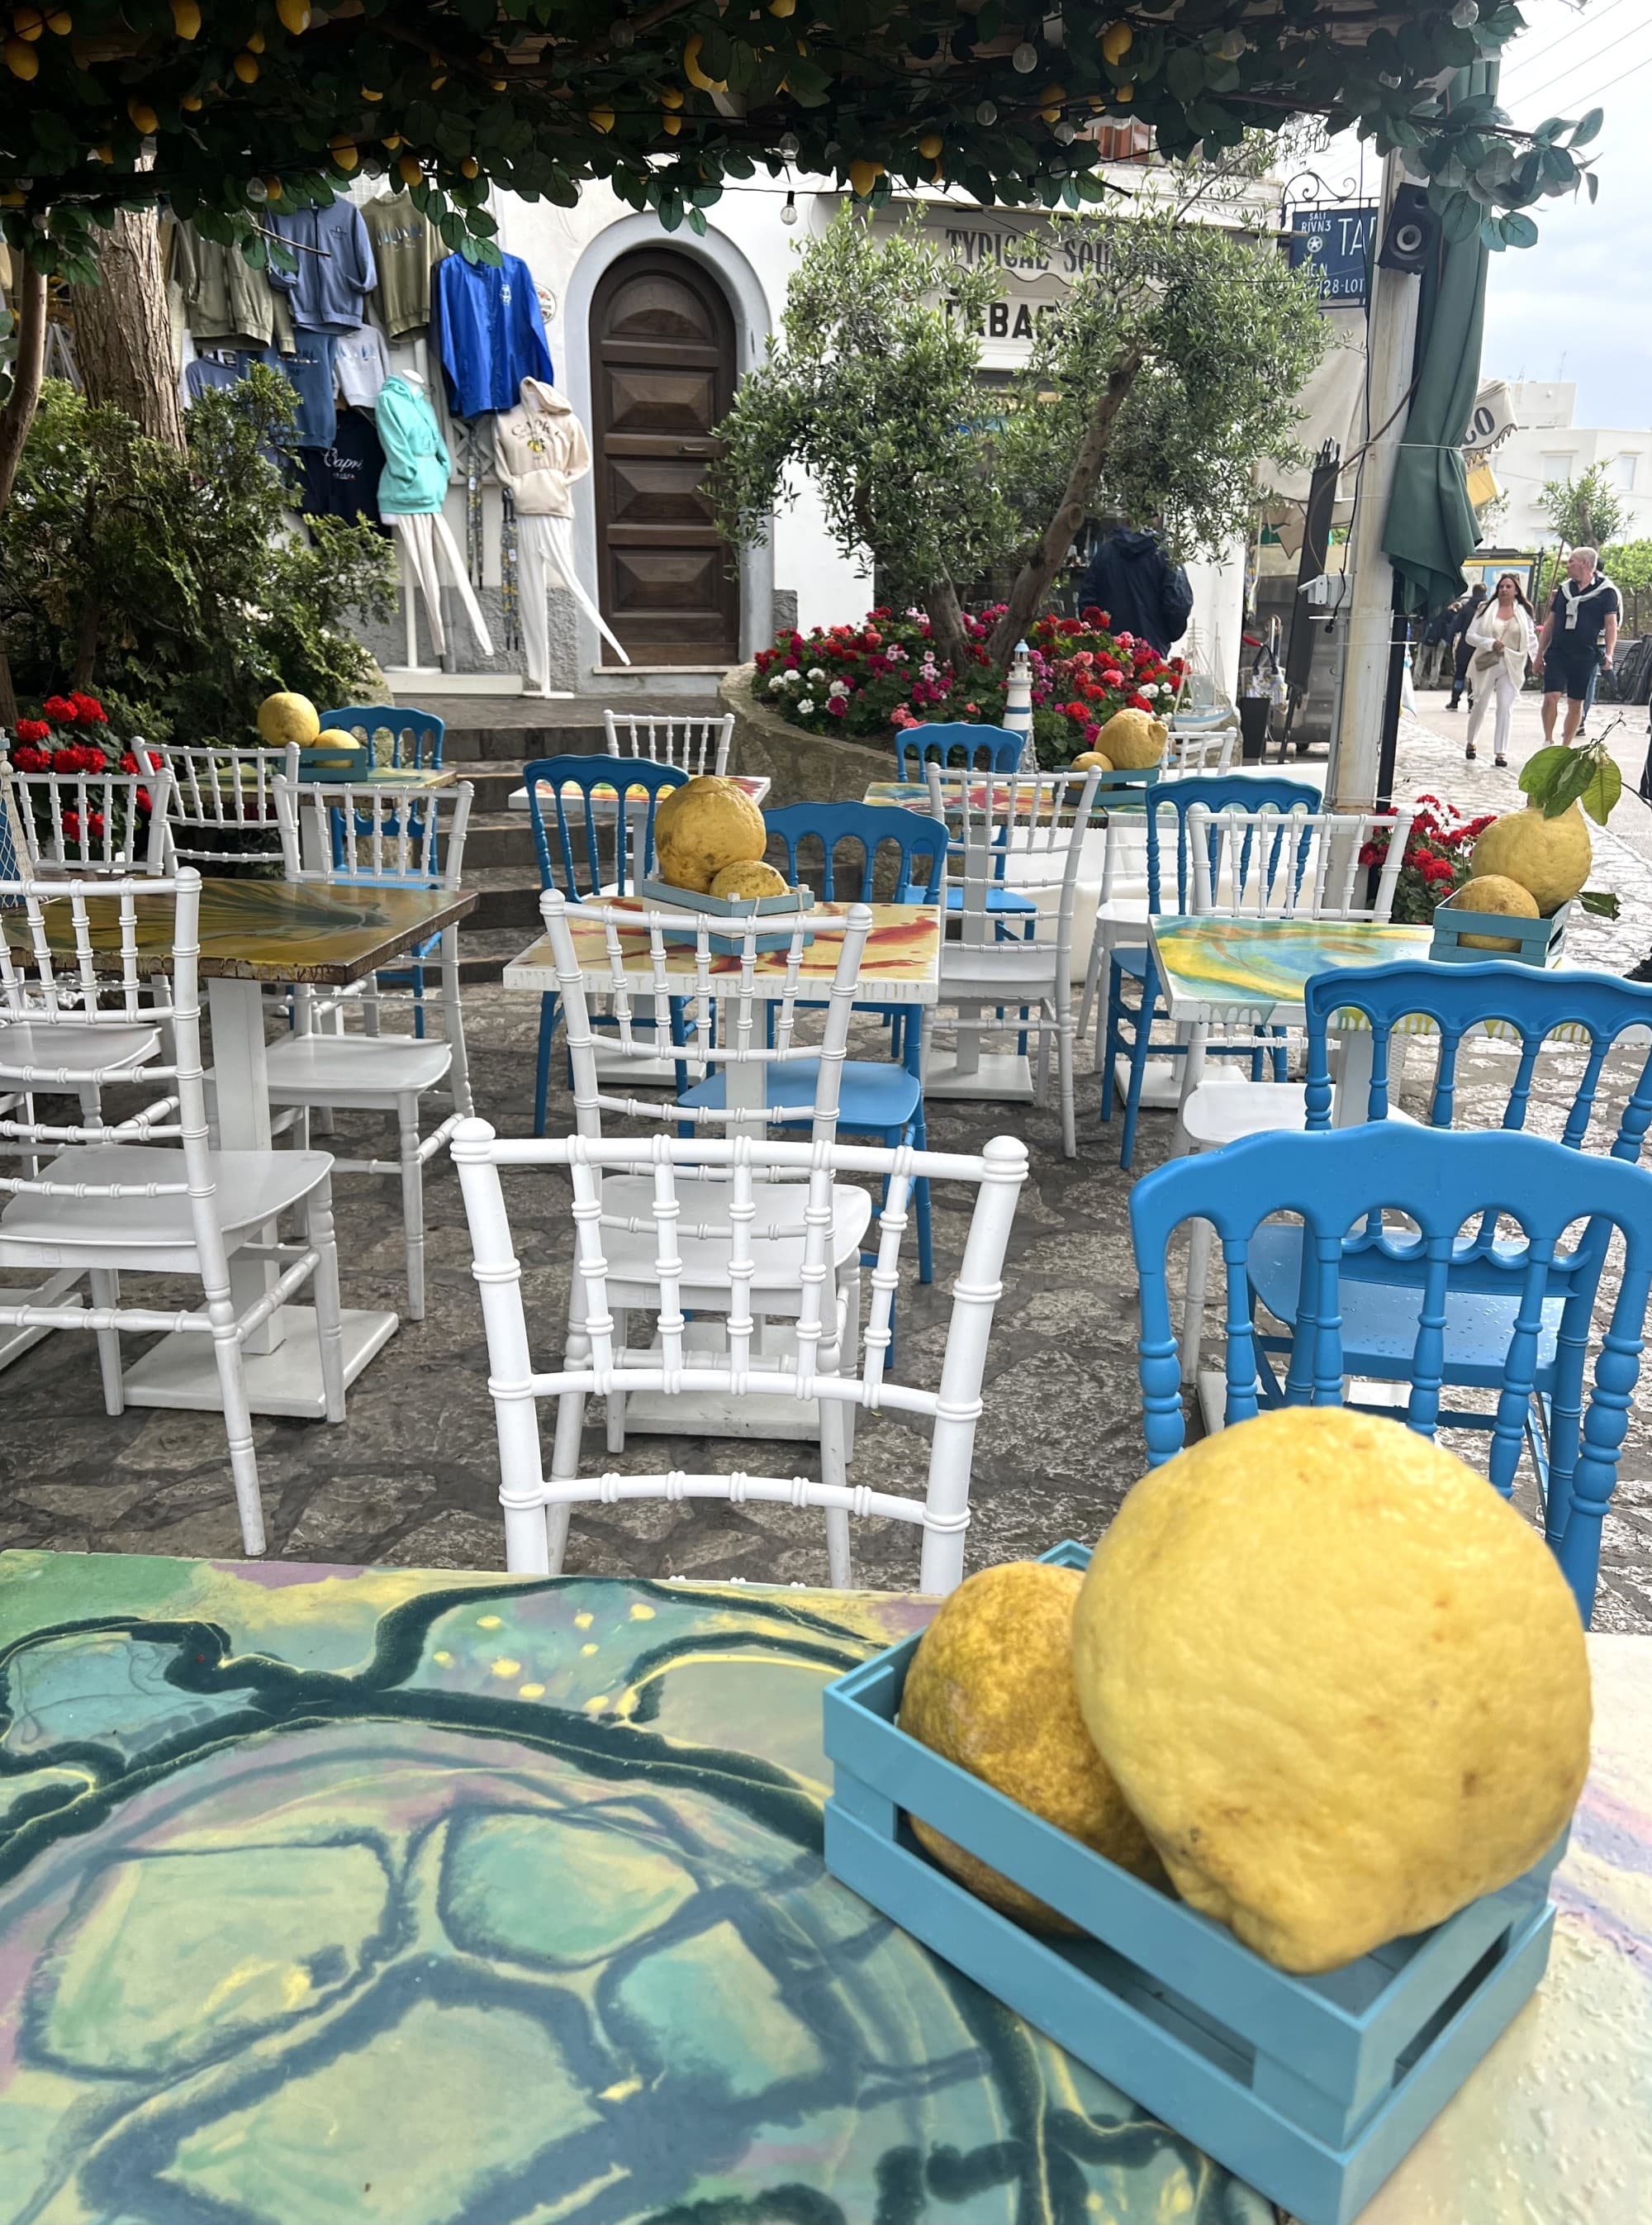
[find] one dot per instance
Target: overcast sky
(1578, 305)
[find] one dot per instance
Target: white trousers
(545, 556)
(430, 550)
(1506, 694)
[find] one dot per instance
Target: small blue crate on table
(1312, 2089)
(691, 901)
(1540, 940)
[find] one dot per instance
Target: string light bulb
(986, 113)
(790, 147)
(1025, 58)
(1465, 15)
(788, 215)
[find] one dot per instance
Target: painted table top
(914, 796)
(901, 957)
(445, 1899)
(276, 930)
(756, 784)
(1213, 967)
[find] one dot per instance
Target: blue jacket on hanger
(336, 270)
(489, 331)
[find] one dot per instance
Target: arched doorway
(663, 360)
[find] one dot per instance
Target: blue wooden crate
(1540, 940)
(665, 896)
(1312, 2089)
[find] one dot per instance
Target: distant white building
(1548, 446)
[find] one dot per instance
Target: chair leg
(565, 1445)
(237, 1421)
(1091, 999)
(412, 1204)
(615, 1400)
(105, 1292)
(1110, 1046)
(329, 1301)
(1065, 1048)
(542, 1069)
(1140, 1044)
(834, 1470)
(1192, 1316)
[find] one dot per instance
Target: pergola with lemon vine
(227, 109)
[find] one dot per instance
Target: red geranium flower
(33, 730)
(29, 759)
(1093, 617)
(71, 825)
(1138, 702)
(59, 710)
(1112, 677)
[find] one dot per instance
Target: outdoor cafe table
(900, 965)
(329, 1895)
(756, 786)
(253, 933)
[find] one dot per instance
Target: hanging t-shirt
(362, 364)
(309, 367)
(406, 248)
(341, 481)
(489, 332)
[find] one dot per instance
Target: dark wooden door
(663, 376)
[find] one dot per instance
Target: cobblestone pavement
(412, 1475)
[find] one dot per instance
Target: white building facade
(1548, 446)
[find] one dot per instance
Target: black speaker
(1412, 230)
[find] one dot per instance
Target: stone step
(576, 733)
(508, 895)
(484, 952)
(501, 838)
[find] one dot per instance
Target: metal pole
(1372, 669)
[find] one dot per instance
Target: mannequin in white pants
(430, 548)
(540, 448)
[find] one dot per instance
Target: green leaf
(697, 221)
(1589, 127)
(1459, 219)
(1537, 774)
(1605, 786)
(1185, 73)
(1568, 783)
(1602, 903)
(1519, 231)
(1491, 234)
(1593, 184)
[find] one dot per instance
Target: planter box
(1312, 2089)
(1541, 940)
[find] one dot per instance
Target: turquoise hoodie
(414, 477)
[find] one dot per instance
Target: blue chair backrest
(419, 734)
(1439, 1180)
(1218, 792)
(1528, 1000)
(632, 833)
(921, 844)
(981, 749)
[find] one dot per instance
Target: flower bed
(61, 741)
(1435, 862)
(884, 674)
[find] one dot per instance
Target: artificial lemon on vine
(1116, 41)
(245, 66)
(144, 118)
(186, 19)
(862, 176)
(930, 145)
(294, 16)
(692, 72)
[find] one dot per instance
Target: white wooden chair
(829, 1363)
(696, 746)
(1199, 749)
(1033, 827)
(91, 824)
(380, 837)
(112, 1200)
(220, 810)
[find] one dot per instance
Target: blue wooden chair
(1440, 1181)
(955, 746)
(418, 735)
(629, 833)
(876, 1098)
(1130, 1026)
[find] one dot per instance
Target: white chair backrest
(1270, 864)
(1199, 749)
(1033, 823)
(218, 794)
(90, 950)
(699, 745)
(858, 1377)
(733, 1015)
(90, 824)
(387, 836)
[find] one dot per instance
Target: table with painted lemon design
(756, 786)
(253, 933)
(334, 1895)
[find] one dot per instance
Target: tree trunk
(946, 626)
(19, 412)
(1033, 582)
(122, 336)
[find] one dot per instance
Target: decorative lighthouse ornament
(1018, 703)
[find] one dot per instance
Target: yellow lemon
(245, 66)
(991, 1689)
(59, 22)
(1092, 761)
(284, 718)
(670, 123)
(671, 95)
(144, 118)
(1133, 740)
(346, 154)
(28, 22)
(692, 72)
(862, 176)
(367, 95)
(1493, 892)
(1123, 92)
(274, 189)
(783, 8)
(21, 60)
(1116, 41)
(408, 170)
(13, 199)
(703, 826)
(470, 168)
(255, 43)
(930, 145)
(749, 878)
(294, 16)
(1549, 857)
(600, 118)
(192, 102)
(186, 19)
(1340, 1680)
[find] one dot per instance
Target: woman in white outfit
(1503, 635)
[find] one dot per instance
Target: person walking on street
(1578, 638)
(1462, 679)
(1143, 593)
(1503, 636)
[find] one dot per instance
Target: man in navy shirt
(1579, 637)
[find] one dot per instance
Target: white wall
(1548, 446)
